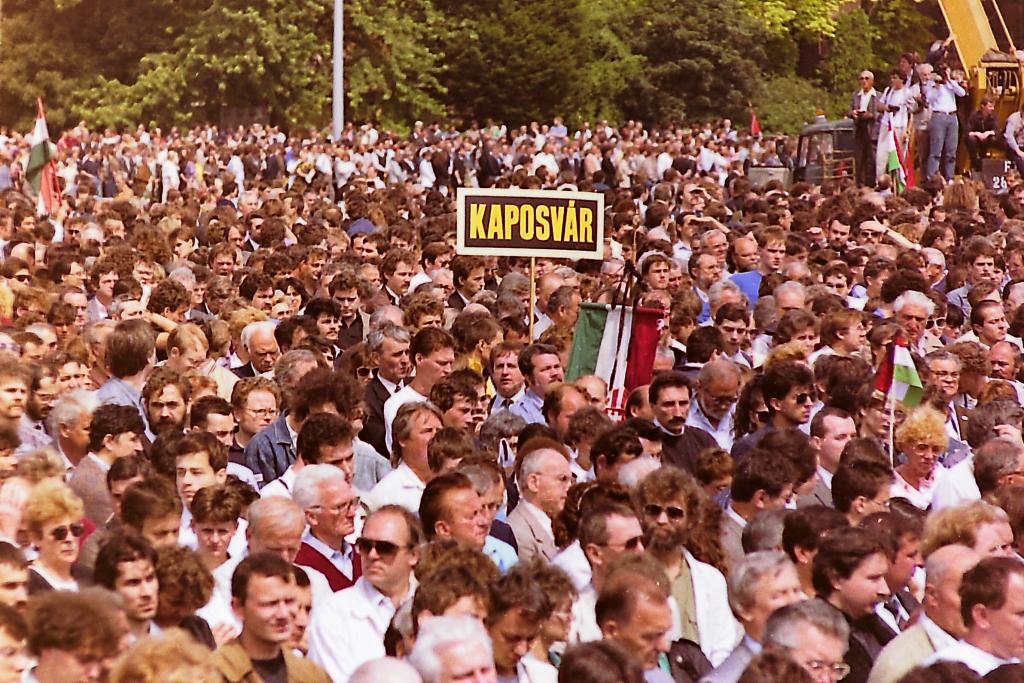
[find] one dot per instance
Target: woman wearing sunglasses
(54, 519)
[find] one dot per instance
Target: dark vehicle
(825, 152)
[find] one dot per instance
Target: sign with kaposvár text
(538, 223)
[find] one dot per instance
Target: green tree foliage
(850, 52)
(787, 103)
(798, 18)
(181, 62)
(689, 70)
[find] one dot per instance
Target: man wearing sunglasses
(863, 112)
(348, 629)
(667, 501)
(605, 533)
(789, 395)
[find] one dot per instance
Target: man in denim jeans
(944, 128)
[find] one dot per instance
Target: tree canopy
(182, 62)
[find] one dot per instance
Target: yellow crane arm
(970, 28)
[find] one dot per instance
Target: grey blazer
(531, 537)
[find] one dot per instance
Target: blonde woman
(55, 520)
(921, 439)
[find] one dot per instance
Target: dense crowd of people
(259, 422)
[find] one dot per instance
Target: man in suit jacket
(759, 584)
(113, 433)
(939, 626)
(468, 278)
(389, 350)
(863, 111)
(831, 429)
(271, 451)
(762, 482)
(544, 478)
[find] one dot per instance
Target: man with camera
(944, 130)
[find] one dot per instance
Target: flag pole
(533, 293)
(892, 431)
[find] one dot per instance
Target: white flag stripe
(606, 357)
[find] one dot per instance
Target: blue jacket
(270, 452)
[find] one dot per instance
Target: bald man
(939, 626)
(276, 526)
(718, 389)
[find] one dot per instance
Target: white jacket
(719, 630)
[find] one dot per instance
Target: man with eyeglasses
(324, 494)
(718, 387)
(667, 501)
(348, 630)
(849, 573)
(605, 532)
(942, 382)
(815, 635)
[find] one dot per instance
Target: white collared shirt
(280, 487)
(940, 639)
(341, 559)
(348, 629)
(723, 433)
(974, 657)
(502, 403)
(826, 477)
(401, 486)
(404, 395)
(392, 387)
(574, 563)
(735, 516)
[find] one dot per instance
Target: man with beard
(165, 397)
(667, 501)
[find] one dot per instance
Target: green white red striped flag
(618, 345)
(897, 376)
(41, 171)
(896, 163)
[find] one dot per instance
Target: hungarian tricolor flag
(755, 125)
(897, 376)
(616, 343)
(41, 172)
(897, 163)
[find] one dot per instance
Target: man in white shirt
(415, 426)
(939, 626)
(944, 128)
(432, 351)
(718, 387)
(991, 601)
(324, 494)
(349, 629)
(275, 525)
(605, 533)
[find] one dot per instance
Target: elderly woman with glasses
(54, 519)
(920, 440)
